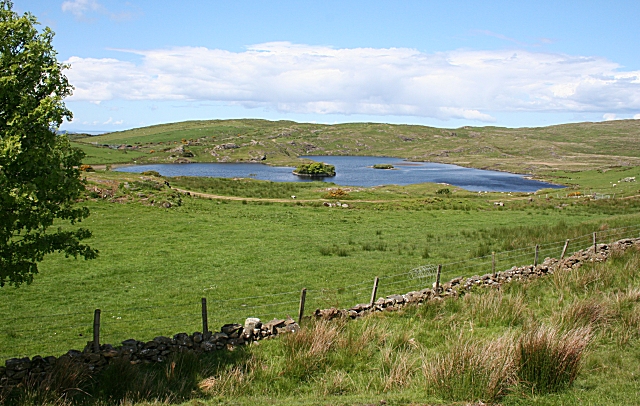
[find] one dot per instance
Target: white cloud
(390, 81)
(79, 8)
(609, 117)
(636, 117)
(82, 8)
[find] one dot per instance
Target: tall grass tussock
(548, 360)
(472, 370)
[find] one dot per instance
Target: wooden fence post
(438, 279)
(594, 243)
(374, 291)
(493, 263)
(205, 316)
(303, 298)
(564, 249)
(96, 331)
(535, 260)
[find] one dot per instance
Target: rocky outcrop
(229, 145)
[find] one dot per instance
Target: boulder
(252, 323)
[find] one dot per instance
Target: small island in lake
(316, 169)
(383, 166)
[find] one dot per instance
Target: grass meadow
(249, 248)
(252, 257)
(570, 338)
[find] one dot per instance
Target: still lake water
(357, 171)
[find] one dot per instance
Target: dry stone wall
(232, 335)
(157, 350)
(461, 285)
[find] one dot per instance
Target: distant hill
(527, 150)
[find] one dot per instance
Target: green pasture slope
(252, 250)
(526, 150)
(394, 358)
(251, 257)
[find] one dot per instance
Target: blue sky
(445, 64)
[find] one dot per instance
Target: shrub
(443, 191)
(336, 194)
(86, 168)
(316, 169)
(382, 166)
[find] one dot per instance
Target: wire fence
(57, 333)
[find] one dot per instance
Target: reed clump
(473, 370)
(548, 360)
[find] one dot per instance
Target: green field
(249, 248)
(156, 263)
(454, 351)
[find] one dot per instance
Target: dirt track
(259, 199)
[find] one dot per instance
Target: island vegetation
(316, 170)
(382, 166)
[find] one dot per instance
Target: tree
(39, 179)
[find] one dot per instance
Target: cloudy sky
(440, 63)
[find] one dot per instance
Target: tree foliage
(39, 179)
(317, 169)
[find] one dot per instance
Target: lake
(358, 171)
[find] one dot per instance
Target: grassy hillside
(526, 150)
(249, 248)
(156, 263)
(571, 338)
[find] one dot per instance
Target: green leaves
(39, 179)
(316, 168)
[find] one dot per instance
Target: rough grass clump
(587, 313)
(334, 250)
(228, 383)
(397, 368)
(494, 307)
(175, 380)
(549, 361)
(306, 350)
(315, 340)
(472, 370)
(60, 386)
